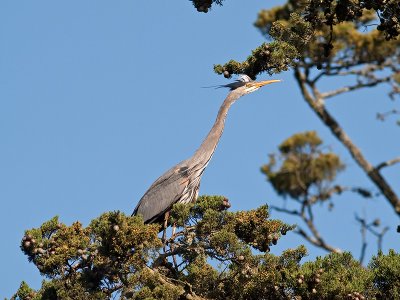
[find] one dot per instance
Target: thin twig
(388, 163)
(369, 227)
(317, 242)
(364, 243)
(316, 238)
(354, 87)
(284, 210)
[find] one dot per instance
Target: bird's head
(245, 85)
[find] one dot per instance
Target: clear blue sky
(99, 98)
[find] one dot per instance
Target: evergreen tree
(215, 254)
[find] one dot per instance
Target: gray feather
(181, 183)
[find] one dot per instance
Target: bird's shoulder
(180, 170)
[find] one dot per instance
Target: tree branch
(354, 87)
(316, 103)
(287, 211)
(369, 227)
(317, 242)
(363, 238)
(388, 163)
(316, 238)
(185, 291)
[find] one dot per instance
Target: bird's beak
(255, 85)
(259, 84)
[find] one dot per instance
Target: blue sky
(97, 99)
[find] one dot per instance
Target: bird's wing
(163, 193)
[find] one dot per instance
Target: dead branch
(365, 226)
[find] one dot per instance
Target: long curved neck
(207, 147)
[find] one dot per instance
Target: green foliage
(205, 5)
(386, 271)
(221, 234)
(272, 58)
(335, 12)
(119, 257)
(336, 276)
(326, 35)
(120, 254)
(113, 249)
(24, 292)
(305, 167)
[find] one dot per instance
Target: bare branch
(380, 237)
(369, 227)
(316, 238)
(388, 163)
(363, 238)
(334, 70)
(383, 116)
(317, 242)
(354, 87)
(316, 103)
(337, 189)
(287, 211)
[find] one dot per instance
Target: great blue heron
(181, 183)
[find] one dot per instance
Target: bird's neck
(207, 148)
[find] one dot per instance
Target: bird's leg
(172, 246)
(164, 236)
(173, 229)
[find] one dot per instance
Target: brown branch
(334, 70)
(317, 242)
(388, 163)
(180, 233)
(163, 256)
(316, 102)
(185, 290)
(316, 238)
(354, 87)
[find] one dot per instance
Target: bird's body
(181, 183)
(174, 186)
